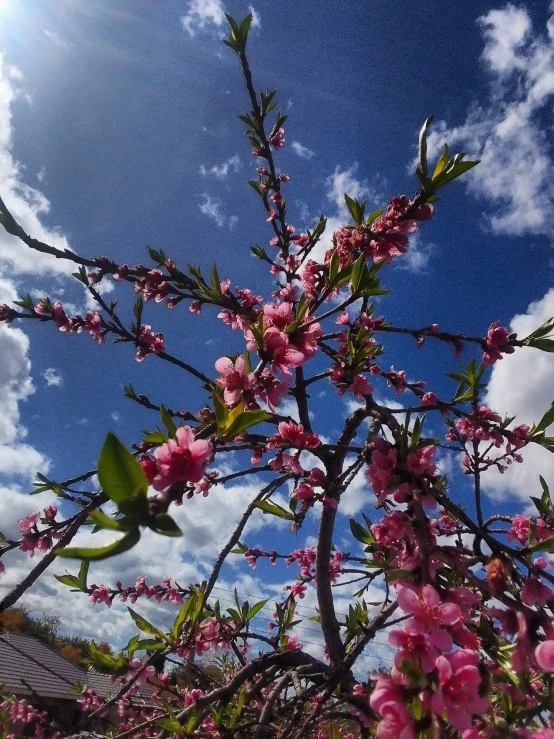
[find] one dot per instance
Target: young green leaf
(120, 475)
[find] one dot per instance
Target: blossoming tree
(466, 603)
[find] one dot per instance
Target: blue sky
(118, 129)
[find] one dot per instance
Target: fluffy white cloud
(302, 151)
(26, 203)
(213, 208)
(509, 131)
(256, 18)
(418, 255)
(221, 171)
(523, 385)
(52, 377)
(16, 458)
(210, 15)
(203, 14)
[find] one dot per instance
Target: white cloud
(256, 18)
(57, 39)
(41, 174)
(53, 377)
(103, 288)
(418, 255)
(27, 203)
(203, 14)
(221, 172)
(213, 208)
(115, 416)
(509, 131)
(523, 385)
(302, 151)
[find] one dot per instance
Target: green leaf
(441, 163)
(105, 522)
(70, 580)
(164, 524)
(547, 545)
(120, 475)
(167, 421)
(108, 550)
(145, 625)
(452, 172)
(182, 615)
(359, 533)
(3, 537)
(83, 572)
(255, 609)
(171, 725)
(245, 421)
(275, 510)
(423, 146)
(545, 421)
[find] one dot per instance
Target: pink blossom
(544, 655)
(429, 615)
(519, 530)
(428, 399)
(181, 459)
(381, 468)
(64, 323)
(535, 593)
(292, 643)
(360, 387)
(27, 524)
(413, 648)
(388, 702)
(458, 690)
(235, 378)
(148, 343)
(277, 138)
(304, 491)
(419, 461)
(100, 594)
(496, 343)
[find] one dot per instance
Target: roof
(27, 667)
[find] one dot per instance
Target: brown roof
(28, 666)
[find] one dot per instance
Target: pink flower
(544, 655)
(458, 691)
(181, 459)
(381, 468)
(388, 702)
(413, 648)
(535, 593)
(430, 616)
(304, 491)
(360, 387)
(292, 643)
(64, 323)
(235, 378)
(277, 138)
(419, 461)
(428, 399)
(496, 343)
(27, 524)
(519, 530)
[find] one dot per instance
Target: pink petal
(224, 365)
(407, 600)
(544, 656)
(450, 613)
